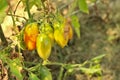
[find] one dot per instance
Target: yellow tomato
(30, 35)
(43, 46)
(60, 38)
(62, 33)
(46, 28)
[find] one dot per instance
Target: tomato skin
(60, 39)
(68, 30)
(30, 35)
(49, 31)
(63, 33)
(44, 45)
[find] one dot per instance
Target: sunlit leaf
(3, 7)
(90, 70)
(21, 43)
(32, 2)
(83, 6)
(98, 57)
(33, 76)
(16, 68)
(76, 25)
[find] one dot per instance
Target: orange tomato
(30, 35)
(68, 32)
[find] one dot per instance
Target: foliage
(42, 34)
(3, 8)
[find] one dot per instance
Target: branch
(3, 39)
(17, 16)
(17, 6)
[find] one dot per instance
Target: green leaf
(90, 71)
(33, 76)
(3, 7)
(76, 25)
(98, 57)
(15, 68)
(21, 43)
(33, 2)
(45, 74)
(83, 6)
(73, 6)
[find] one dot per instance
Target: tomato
(45, 74)
(59, 38)
(43, 46)
(49, 31)
(63, 33)
(30, 35)
(68, 30)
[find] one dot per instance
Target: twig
(17, 16)
(17, 6)
(3, 37)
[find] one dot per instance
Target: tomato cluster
(42, 37)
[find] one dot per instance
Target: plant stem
(60, 73)
(28, 9)
(3, 39)
(17, 6)
(55, 63)
(13, 19)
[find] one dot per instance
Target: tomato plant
(39, 35)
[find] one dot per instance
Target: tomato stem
(28, 9)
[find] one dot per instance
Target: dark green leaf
(83, 6)
(45, 74)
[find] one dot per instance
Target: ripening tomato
(43, 46)
(49, 31)
(60, 38)
(63, 33)
(68, 30)
(30, 35)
